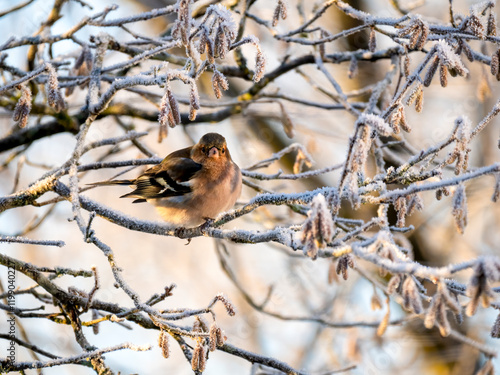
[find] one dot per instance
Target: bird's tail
(112, 182)
(133, 194)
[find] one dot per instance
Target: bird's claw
(207, 224)
(180, 232)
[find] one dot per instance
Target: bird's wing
(182, 153)
(168, 179)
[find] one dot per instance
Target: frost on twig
(225, 301)
(17, 239)
(220, 21)
(415, 203)
(280, 12)
(398, 120)
(486, 270)
(345, 262)
(219, 82)
(23, 107)
(401, 209)
(194, 101)
(85, 356)
(169, 109)
(491, 28)
(474, 24)
(417, 31)
(436, 313)
(495, 329)
(495, 64)
(82, 66)
(450, 59)
(163, 343)
(362, 148)
(459, 211)
(411, 296)
(198, 362)
(260, 64)
(54, 97)
(416, 96)
(182, 26)
(383, 168)
(460, 153)
(317, 230)
(496, 190)
(431, 71)
(376, 122)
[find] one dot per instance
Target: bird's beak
(214, 152)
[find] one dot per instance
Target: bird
(190, 186)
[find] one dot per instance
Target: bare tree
(354, 223)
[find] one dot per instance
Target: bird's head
(211, 148)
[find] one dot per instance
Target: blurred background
(300, 286)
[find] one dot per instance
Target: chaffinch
(191, 185)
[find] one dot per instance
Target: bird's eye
(223, 150)
(203, 149)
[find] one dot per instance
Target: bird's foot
(207, 224)
(180, 232)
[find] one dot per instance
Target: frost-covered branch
(366, 208)
(19, 366)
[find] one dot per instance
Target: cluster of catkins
(206, 338)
